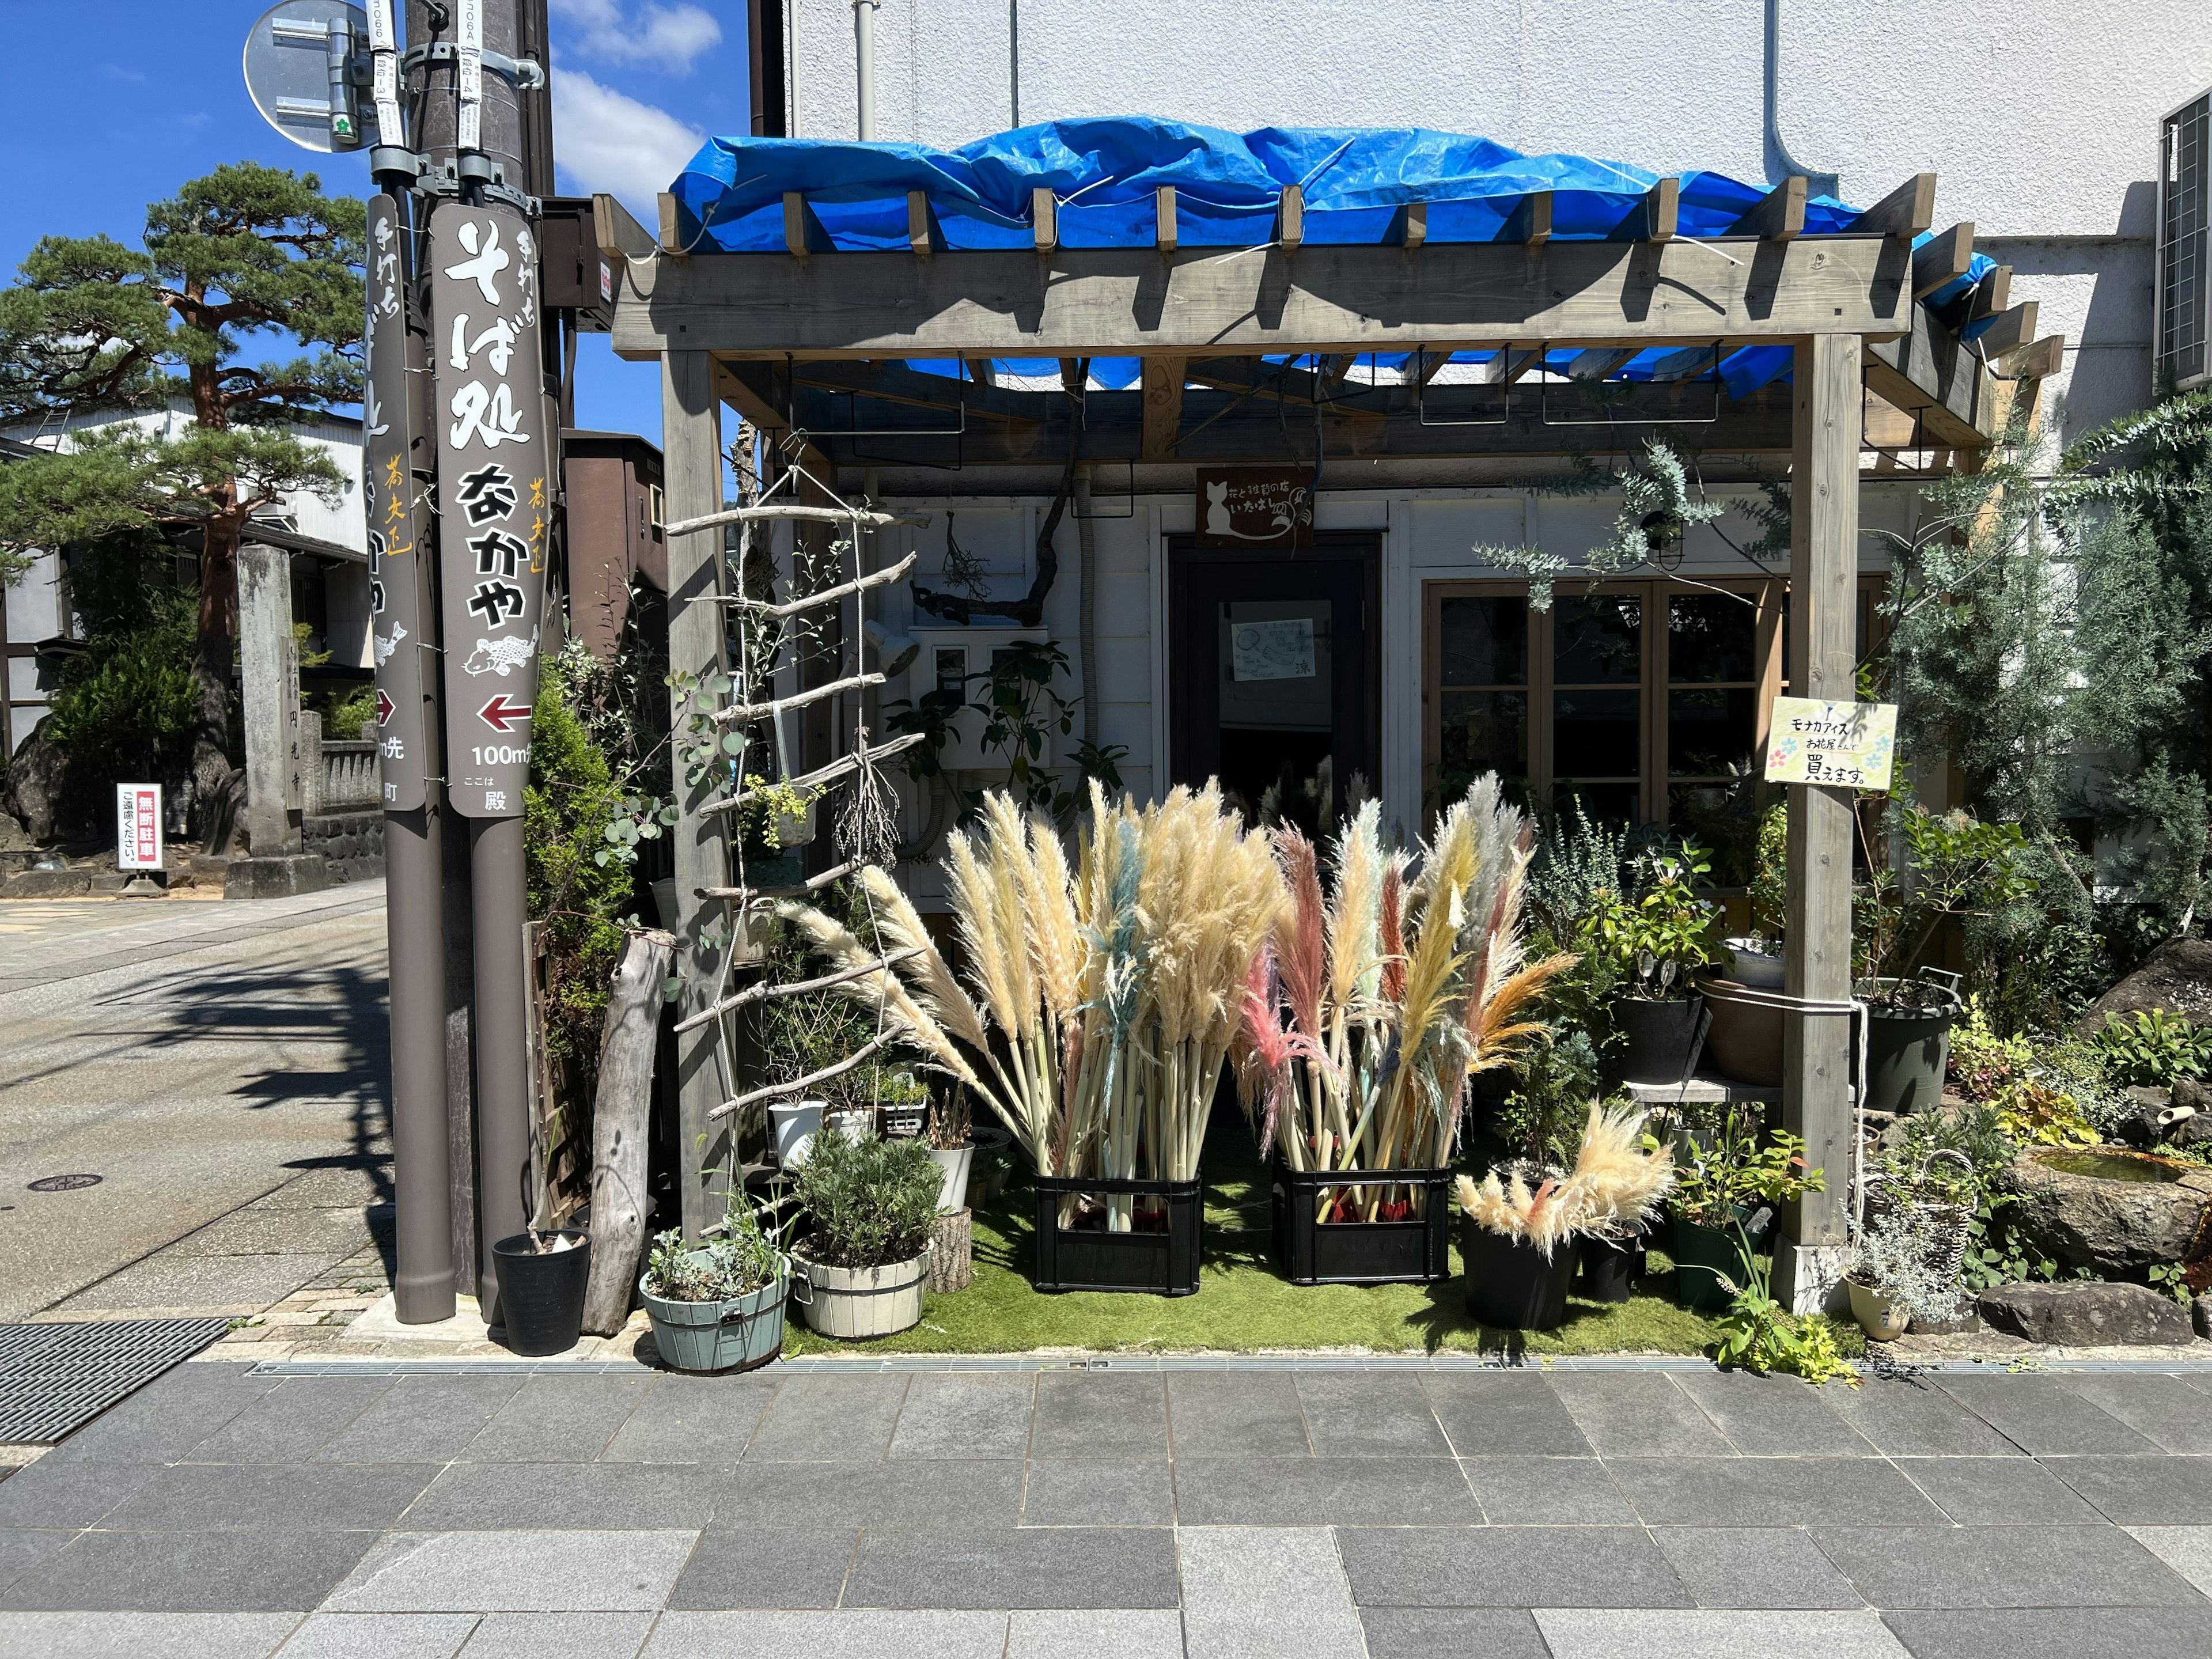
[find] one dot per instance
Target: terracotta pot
(1882, 1318)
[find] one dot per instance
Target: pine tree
(91, 324)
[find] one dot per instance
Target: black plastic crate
(1079, 1259)
(1414, 1251)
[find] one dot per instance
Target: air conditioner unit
(2184, 329)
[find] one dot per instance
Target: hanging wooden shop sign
(399, 523)
(1255, 506)
(1845, 745)
(494, 496)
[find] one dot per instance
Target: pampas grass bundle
(1614, 1189)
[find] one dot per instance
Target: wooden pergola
(812, 343)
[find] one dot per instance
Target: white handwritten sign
(1845, 745)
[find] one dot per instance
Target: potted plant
(794, 1124)
(1717, 1200)
(873, 1203)
(1960, 867)
(902, 1103)
(1897, 1275)
(1662, 941)
(952, 1149)
(719, 1306)
(1626, 1176)
(542, 1272)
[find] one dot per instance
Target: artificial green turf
(1243, 1304)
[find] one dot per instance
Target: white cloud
(607, 142)
(671, 36)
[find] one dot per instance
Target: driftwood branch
(753, 993)
(821, 774)
(796, 890)
(745, 713)
(621, 1115)
(827, 595)
(778, 1090)
(866, 519)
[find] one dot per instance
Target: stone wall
(352, 843)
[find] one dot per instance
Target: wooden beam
(1904, 212)
(672, 241)
(1598, 363)
(1530, 221)
(1942, 258)
(1778, 215)
(923, 234)
(1986, 298)
(1291, 217)
(1044, 212)
(1163, 418)
(1930, 374)
(1163, 219)
(1510, 364)
(983, 371)
(1334, 368)
(1691, 363)
(1653, 219)
(2014, 331)
(1121, 302)
(2041, 361)
(1073, 376)
(1255, 374)
(1409, 225)
(803, 234)
(894, 382)
(618, 234)
(761, 392)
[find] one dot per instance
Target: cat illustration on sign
(385, 646)
(499, 656)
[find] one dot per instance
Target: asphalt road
(221, 1067)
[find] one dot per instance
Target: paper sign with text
(1845, 745)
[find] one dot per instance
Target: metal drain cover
(55, 1378)
(68, 1183)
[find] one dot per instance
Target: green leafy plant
(1899, 1255)
(873, 1201)
(2152, 1046)
(1758, 1334)
(744, 1252)
(1743, 1167)
(1021, 709)
(1658, 507)
(1961, 868)
(1661, 939)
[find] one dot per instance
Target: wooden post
(621, 1111)
(269, 676)
(952, 1251)
(692, 446)
(1823, 495)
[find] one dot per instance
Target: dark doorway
(1273, 675)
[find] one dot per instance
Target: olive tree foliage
(243, 258)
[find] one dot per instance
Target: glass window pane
(1608, 803)
(1596, 734)
(1485, 641)
(1711, 637)
(1597, 639)
(1485, 732)
(1708, 731)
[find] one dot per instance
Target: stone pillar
(269, 673)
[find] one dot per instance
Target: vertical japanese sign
(494, 496)
(137, 826)
(398, 535)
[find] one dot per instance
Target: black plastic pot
(1509, 1285)
(1661, 1038)
(1907, 1050)
(1703, 1255)
(1609, 1267)
(541, 1297)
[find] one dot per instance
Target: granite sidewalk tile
(144, 1635)
(21, 1549)
(237, 1571)
(234, 1497)
(1997, 1491)
(1370, 1414)
(558, 1636)
(592, 1497)
(2141, 1492)
(1639, 1414)
(380, 1636)
(2042, 1417)
(1773, 1416)
(987, 1493)
(2187, 1550)
(1573, 1634)
(1258, 1593)
(1754, 1567)
(1453, 1633)
(555, 1419)
(754, 1568)
(1957, 1567)
(1508, 1567)
(167, 1417)
(828, 1636)
(1757, 1491)
(692, 1419)
(56, 1493)
(1067, 1634)
(1539, 1491)
(1240, 1414)
(964, 1567)
(1065, 1492)
(292, 1422)
(2055, 1633)
(516, 1571)
(1914, 1418)
(2165, 1408)
(965, 1415)
(1320, 1491)
(828, 1420)
(421, 1419)
(1484, 1413)
(1119, 1415)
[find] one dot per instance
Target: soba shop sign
(1844, 745)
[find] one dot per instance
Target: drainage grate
(55, 1378)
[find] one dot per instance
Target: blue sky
(107, 105)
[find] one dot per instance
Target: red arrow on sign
(502, 715)
(386, 709)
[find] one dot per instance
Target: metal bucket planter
(1661, 1037)
(541, 1293)
(1509, 1285)
(1744, 1040)
(1907, 1049)
(857, 1303)
(718, 1336)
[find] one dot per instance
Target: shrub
(742, 1256)
(2154, 1047)
(873, 1202)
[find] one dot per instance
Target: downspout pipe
(1780, 163)
(1087, 541)
(864, 55)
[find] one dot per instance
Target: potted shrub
(952, 1149)
(542, 1272)
(1898, 1274)
(719, 1306)
(901, 1105)
(1717, 1201)
(1662, 941)
(1626, 1176)
(873, 1203)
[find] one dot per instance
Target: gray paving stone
(919, 1494)
(1913, 1418)
(266, 1572)
(1370, 1414)
(1487, 1414)
(785, 1567)
(1773, 1416)
(829, 1418)
(2187, 1550)
(558, 1636)
(52, 1493)
(2002, 1567)
(965, 1414)
(1996, 1492)
(1135, 1633)
(970, 1567)
(2141, 1492)
(1508, 1567)
(596, 1496)
(1320, 1491)
(1754, 1567)
(1661, 1635)
(1559, 1492)
(558, 1420)
(1259, 1593)
(144, 1635)
(167, 1417)
(2166, 1408)
(1125, 1492)
(2056, 1634)
(1116, 1414)
(2042, 1417)
(232, 1497)
(1759, 1492)
(1639, 1414)
(421, 1419)
(693, 1419)
(828, 1636)
(292, 1422)
(1452, 1633)
(1235, 1414)
(22, 1548)
(515, 1572)
(380, 1636)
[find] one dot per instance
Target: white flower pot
(794, 1124)
(954, 1162)
(855, 1123)
(863, 1302)
(1882, 1318)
